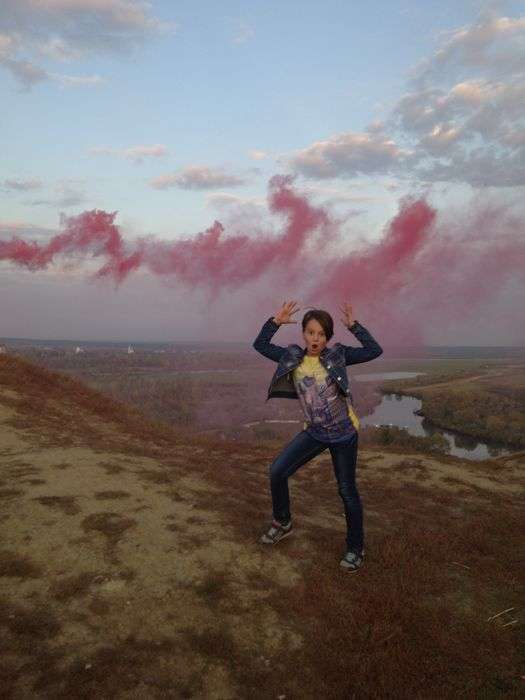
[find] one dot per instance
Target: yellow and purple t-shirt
(329, 414)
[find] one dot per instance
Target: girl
(316, 375)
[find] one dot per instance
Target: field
(131, 565)
(216, 393)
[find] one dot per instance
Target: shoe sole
(269, 541)
(349, 569)
(344, 564)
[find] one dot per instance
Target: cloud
(66, 30)
(464, 113)
(66, 196)
(18, 185)
(8, 229)
(347, 155)
(73, 81)
(224, 200)
(493, 43)
(28, 74)
(476, 105)
(330, 196)
(196, 177)
(461, 119)
(258, 155)
(25, 72)
(244, 33)
(135, 153)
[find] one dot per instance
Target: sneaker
(276, 532)
(352, 561)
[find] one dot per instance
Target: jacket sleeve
(262, 342)
(370, 350)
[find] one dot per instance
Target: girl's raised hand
(348, 319)
(285, 312)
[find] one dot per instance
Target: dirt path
(459, 380)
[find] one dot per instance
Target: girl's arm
(262, 342)
(370, 350)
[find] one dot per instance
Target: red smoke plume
(417, 273)
(210, 258)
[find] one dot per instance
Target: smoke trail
(210, 258)
(425, 269)
(429, 270)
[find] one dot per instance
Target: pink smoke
(210, 258)
(421, 271)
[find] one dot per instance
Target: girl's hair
(324, 318)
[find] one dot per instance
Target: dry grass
(131, 566)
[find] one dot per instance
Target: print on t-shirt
(324, 406)
(327, 411)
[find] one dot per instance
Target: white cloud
(196, 177)
(66, 195)
(78, 80)
(134, 153)
(66, 30)
(493, 43)
(26, 73)
(22, 229)
(338, 195)
(222, 200)
(15, 184)
(347, 155)
(258, 155)
(462, 118)
(468, 130)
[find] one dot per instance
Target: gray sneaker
(352, 561)
(276, 532)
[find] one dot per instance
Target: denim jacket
(334, 359)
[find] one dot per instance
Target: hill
(131, 566)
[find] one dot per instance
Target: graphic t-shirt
(329, 415)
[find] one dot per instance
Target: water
(398, 410)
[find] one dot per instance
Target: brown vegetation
(132, 567)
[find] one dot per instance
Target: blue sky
(228, 79)
(244, 90)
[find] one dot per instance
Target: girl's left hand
(348, 319)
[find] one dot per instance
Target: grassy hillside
(130, 565)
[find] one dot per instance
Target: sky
(397, 128)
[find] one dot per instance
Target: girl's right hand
(285, 313)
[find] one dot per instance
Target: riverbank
(483, 405)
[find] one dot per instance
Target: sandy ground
(79, 522)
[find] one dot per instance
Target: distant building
(79, 349)
(130, 350)
(3, 349)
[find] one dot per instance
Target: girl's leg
(302, 448)
(344, 459)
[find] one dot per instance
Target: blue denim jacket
(334, 359)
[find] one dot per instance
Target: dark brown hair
(322, 317)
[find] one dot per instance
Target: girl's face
(314, 337)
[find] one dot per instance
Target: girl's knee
(276, 470)
(348, 492)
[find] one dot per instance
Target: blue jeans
(302, 448)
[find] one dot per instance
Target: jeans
(300, 450)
